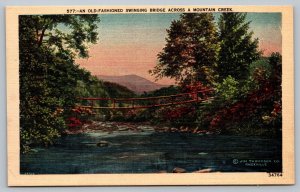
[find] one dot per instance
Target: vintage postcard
(150, 95)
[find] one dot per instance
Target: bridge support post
(92, 104)
(172, 100)
(114, 103)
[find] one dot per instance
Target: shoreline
(114, 126)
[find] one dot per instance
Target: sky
(129, 43)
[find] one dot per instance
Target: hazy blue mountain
(133, 82)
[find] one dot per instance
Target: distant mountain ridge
(133, 82)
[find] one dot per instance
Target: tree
(191, 51)
(262, 107)
(66, 35)
(48, 45)
(238, 48)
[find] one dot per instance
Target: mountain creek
(118, 147)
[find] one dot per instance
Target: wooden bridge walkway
(145, 102)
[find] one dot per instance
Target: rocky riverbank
(110, 127)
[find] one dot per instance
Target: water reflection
(151, 152)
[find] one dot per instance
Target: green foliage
(257, 108)
(91, 87)
(39, 123)
(48, 45)
(248, 90)
(165, 91)
(133, 115)
(228, 89)
(115, 90)
(275, 62)
(64, 35)
(238, 48)
(262, 63)
(191, 51)
(247, 86)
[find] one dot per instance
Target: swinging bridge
(145, 102)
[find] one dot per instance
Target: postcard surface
(150, 95)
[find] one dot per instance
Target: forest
(200, 52)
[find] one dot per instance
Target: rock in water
(179, 170)
(102, 144)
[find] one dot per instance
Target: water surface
(151, 152)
